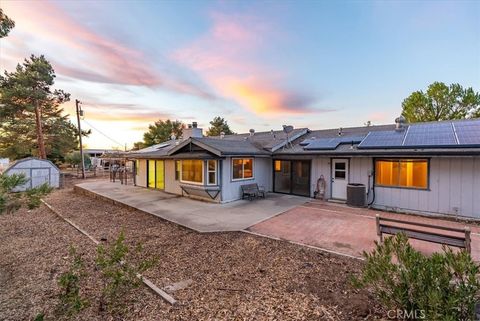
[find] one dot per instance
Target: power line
(105, 135)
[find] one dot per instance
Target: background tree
(218, 125)
(74, 158)
(6, 24)
(138, 145)
(31, 120)
(441, 102)
(161, 131)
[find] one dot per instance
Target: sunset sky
(259, 64)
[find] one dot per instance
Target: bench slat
(425, 236)
(439, 227)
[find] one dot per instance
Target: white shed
(38, 171)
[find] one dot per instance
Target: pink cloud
(226, 59)
(78, 52)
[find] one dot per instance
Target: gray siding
(171, 185)
(454, 186)
(320, 166)
(141, 177)
(262, 168)
(454, 189)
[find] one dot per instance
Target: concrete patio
(346, 230)
(196, 215)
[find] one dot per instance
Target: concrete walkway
(196, 215)
(346, 230)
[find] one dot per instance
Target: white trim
(455, 133)
(243, 169)
(190, 182)
(214, 171)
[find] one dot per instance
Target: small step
(332, 200)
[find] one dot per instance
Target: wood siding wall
(141, 175)
(454, 186)
(171, 185)
(263, 170)
(454, 189)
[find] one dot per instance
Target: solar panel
(468, 132)
(383, 139)
(331, 143)
(432, 134)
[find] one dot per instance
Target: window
(340, 171)
(242, 168)
(177, 170)
(192, 171)
(212, 172)
(410, 173)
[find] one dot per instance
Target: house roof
(270, 141)
(459, 137)
(432, 138)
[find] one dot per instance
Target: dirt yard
(236, 276)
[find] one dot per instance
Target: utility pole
(80, 113)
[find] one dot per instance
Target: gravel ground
(236, 276)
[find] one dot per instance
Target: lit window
(212, 172)
(411, 173)
(192, 171)
(242, 168)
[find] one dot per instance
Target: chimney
(222, 135)
(252, 132)
(192, 131)
(400, 123)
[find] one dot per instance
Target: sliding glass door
(292, 177)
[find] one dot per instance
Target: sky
(258, 64)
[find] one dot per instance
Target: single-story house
(424, 167)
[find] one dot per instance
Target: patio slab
(196, 215)
(346, 230)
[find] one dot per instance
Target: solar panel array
(468, 132)
(430, 135)
(426, 135)
(330, 143)
(380, 139)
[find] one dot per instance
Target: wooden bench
(458, 237)
(252, 191)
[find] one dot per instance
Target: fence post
(468, 241)
(377, 221)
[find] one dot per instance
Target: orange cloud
(226, 59)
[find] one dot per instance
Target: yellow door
(151, 173)
(160, 175)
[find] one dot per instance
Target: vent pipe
(252, 132)
(222, 135)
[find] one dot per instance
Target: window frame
(214, 171)
(192, 182)
(178, 169)
(399, 160)
(243, 169)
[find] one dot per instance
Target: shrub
(120, 276)
(11, 201)
(444, 286)
(69, 282)
(75, 158)
(33, 195)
